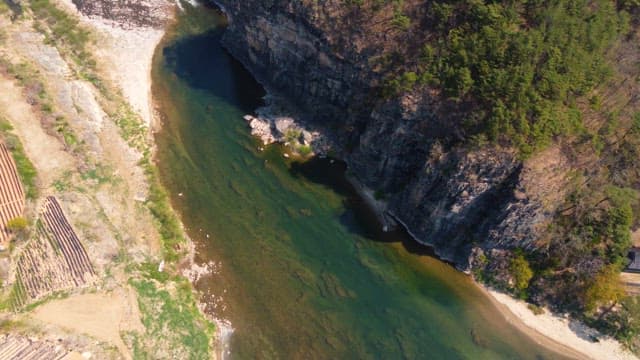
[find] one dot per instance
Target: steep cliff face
(406, 149)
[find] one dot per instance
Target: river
(302, 270)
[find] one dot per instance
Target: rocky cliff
(329, 59)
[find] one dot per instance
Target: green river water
(304, 271)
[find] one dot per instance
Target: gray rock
(129, 13)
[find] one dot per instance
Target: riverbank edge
(135, 80)
(556, 332)
(189, 268)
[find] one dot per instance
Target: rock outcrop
(406, 149)
(129, 13)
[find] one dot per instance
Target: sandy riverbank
(560, 334)
(126, 57)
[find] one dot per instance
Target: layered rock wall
(449, 196)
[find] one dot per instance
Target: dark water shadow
(358, 218)
(204, 64)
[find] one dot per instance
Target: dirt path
(101, 315)
(631, 282)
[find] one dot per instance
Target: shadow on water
(205, 65)
(358, 218)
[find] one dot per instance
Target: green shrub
(604, 289)
(17, 224)
(521, 272)
(401, 21)
(535, 309)
(172, 321)
(292, 135)
(305, 150)
(26, 170)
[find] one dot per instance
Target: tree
(605, 289)
(401, 21)
(458, 81)
(629, 320)
(618, 221)
(521, 272)
(630, 4)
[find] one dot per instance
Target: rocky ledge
(277, 123)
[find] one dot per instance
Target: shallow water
(305, 272)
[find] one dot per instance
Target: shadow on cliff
(15, 7)
(358, 218)
(204, 64)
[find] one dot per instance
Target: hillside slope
(94, 264)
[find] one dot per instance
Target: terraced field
(14, 347)
(54, 259)
(11, 193)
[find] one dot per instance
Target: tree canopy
(521, 63)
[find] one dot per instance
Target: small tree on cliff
(521, 272)
(604, 290)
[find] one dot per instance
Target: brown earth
(99, 185)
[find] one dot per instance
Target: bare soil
(101, 315)
(98, 182)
